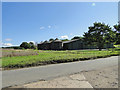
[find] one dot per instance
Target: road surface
(27, 75)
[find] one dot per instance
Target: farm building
(44, 46)
(75, 44)
(56, 45)
(51, 45)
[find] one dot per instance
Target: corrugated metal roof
(60, 41)
(57, 41)
(71, 41)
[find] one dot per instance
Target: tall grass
(13, 53)
(49, 57)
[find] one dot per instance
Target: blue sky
(39, 21)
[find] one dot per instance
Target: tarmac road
(27, 75)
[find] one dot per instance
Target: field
(12, 59)
(13, 53)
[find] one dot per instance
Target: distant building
(44, 46)
(50, 45)
(75, 44)
(56, 45)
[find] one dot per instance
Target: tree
(25, 45)
(32, 46)
(97, 35)
(65, 40)
(56, 39)
(117, 31)
(76, 37)
(51, 39)
(110, 38)
(45, 41)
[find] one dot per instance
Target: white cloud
(8, 39)
(64, 37)
(93, 4)
(41, 28)
(49, 26)
(71, 34)
(7, 44)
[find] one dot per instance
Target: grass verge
(53, 57)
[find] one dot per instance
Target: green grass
(117, 47)
(50, 57)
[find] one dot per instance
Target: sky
(40, 21)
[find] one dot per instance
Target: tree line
(27, 45)
(98, 34)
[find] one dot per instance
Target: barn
(73, 44)
(50, 45)
(56, 45)
(44, 46)
(76, 44)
